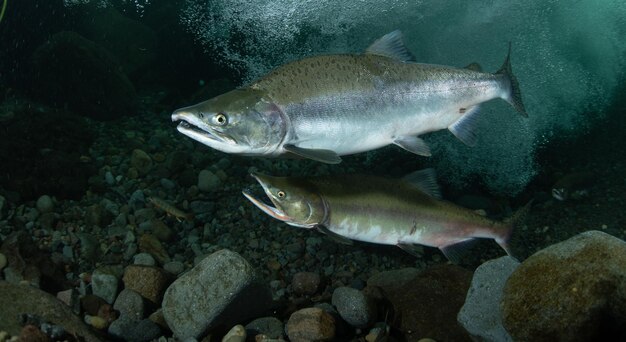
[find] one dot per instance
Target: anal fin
(413, 144)
(321, 155)
(455, 252)
(465, 127)
(415, 250)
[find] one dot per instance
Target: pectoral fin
(324, 156)
(336, 237)
(465, 127)
(413, 144)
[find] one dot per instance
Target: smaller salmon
(170, 210)
(404, 212)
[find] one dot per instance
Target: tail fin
(514, 97)
(511, 247)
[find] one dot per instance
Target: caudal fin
(514, 97)
(509, 241)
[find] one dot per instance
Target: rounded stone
(236, 334)
(45, 204)
(570, 291)
(150, 282)
(354, 307)
(141, 161)
(208, 181)
(305, 283)
(174, 267)
(270, 327)
(310, 324)
(222, 289)
(144, 259)
(104, 285)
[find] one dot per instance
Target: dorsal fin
(426, 181)
(392, 46)
(474, 67)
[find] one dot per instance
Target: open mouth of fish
(265, 207)
(199, 131)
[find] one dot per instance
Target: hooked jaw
(192, 126)
(271, 211)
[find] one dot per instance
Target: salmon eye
(281, 194)
(220, 119)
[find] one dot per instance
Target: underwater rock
(208, 181)
(225, 290)
(148, 243)
(271, 327)
(177, 161)
(143, 259)
(25, 262)
(104, 285)
(39, 303)
(130, 305)
(161, 230)
(305, 283)
(481, 315)
(236, 334)
(141, 161)
(574, 290)
(75, 72)
(310, 324)
(89, 247)
(150, 282)
(354, 307)
(392, 280)
(32, 334)
(131, 325)
(45, 204)
(174, 267)
(429, 302)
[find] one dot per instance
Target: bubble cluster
(140, 5)
(567, 55)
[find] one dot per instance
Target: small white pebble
(236, 334)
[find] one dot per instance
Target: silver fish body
(324, 107)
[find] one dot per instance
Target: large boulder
(571, 291)
(427, 302)
(75, 72)
(220, 291)
(16, 300)
(481, 315)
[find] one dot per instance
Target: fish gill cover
(567, 55)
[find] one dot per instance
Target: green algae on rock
(571, 291)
